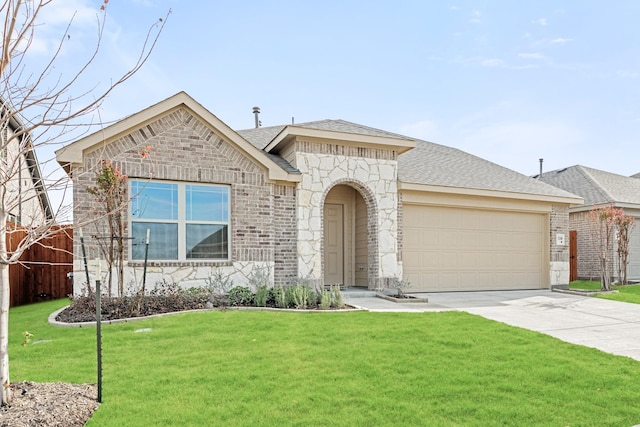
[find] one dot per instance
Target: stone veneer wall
(183, 148)
(373, 172)
(559, 254)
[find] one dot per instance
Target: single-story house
(329, 201)
(598, 189)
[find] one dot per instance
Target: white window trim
(182, 222)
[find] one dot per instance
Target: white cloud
(475, 17)
(535, 55)
(53, 20)
(541, 21)
(560, 40)
(492, 62)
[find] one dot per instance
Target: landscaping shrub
(169, 297)
(262, 293)
(325, 299)
(281, 297)
(219, 283)
(337, 300)
(240, 296)
(300, 296)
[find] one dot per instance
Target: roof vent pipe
(256, 113)
(540, 176)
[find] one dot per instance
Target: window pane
(163, 240)
(154, 200)
(207, 203)
(207, 241)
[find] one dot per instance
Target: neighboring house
(327, 201)
(26, 198)
(599, 189)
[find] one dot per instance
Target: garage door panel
(449, 260)
(531, 260)
(528, 242)
(633, 271)
(467, 249)
(501, 240)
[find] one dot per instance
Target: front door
(333, 244)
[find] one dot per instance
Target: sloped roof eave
(401, 145)
(587, 207)
(568, 200)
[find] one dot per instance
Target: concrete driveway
(610, 326)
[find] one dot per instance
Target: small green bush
(325, 299)
(300, 296)
(280, 297)
(313, 298)
(337, 300)
(240, 296)
(261, 296)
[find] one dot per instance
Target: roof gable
(74, 152)
(264, 137)
(596, 186)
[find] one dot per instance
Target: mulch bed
(49, 405)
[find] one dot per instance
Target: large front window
(184, 221)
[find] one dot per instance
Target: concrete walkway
(610, 326)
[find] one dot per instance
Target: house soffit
(409, 187)
(73, 154)
(290, 134)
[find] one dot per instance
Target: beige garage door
(633, 271)
(457, 249)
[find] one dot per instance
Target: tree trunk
(4, 321)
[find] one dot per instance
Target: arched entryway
(348, 239)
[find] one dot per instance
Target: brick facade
(184, 149)
(588, 264)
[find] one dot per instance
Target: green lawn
(627, 293)
(248, 368)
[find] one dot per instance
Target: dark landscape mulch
(83, 309)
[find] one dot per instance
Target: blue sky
(509, 81)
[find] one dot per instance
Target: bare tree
(39, 108)
(602, 224)
(611, 226)
(111, 192)
(624, 226)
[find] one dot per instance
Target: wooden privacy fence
(42, 273)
